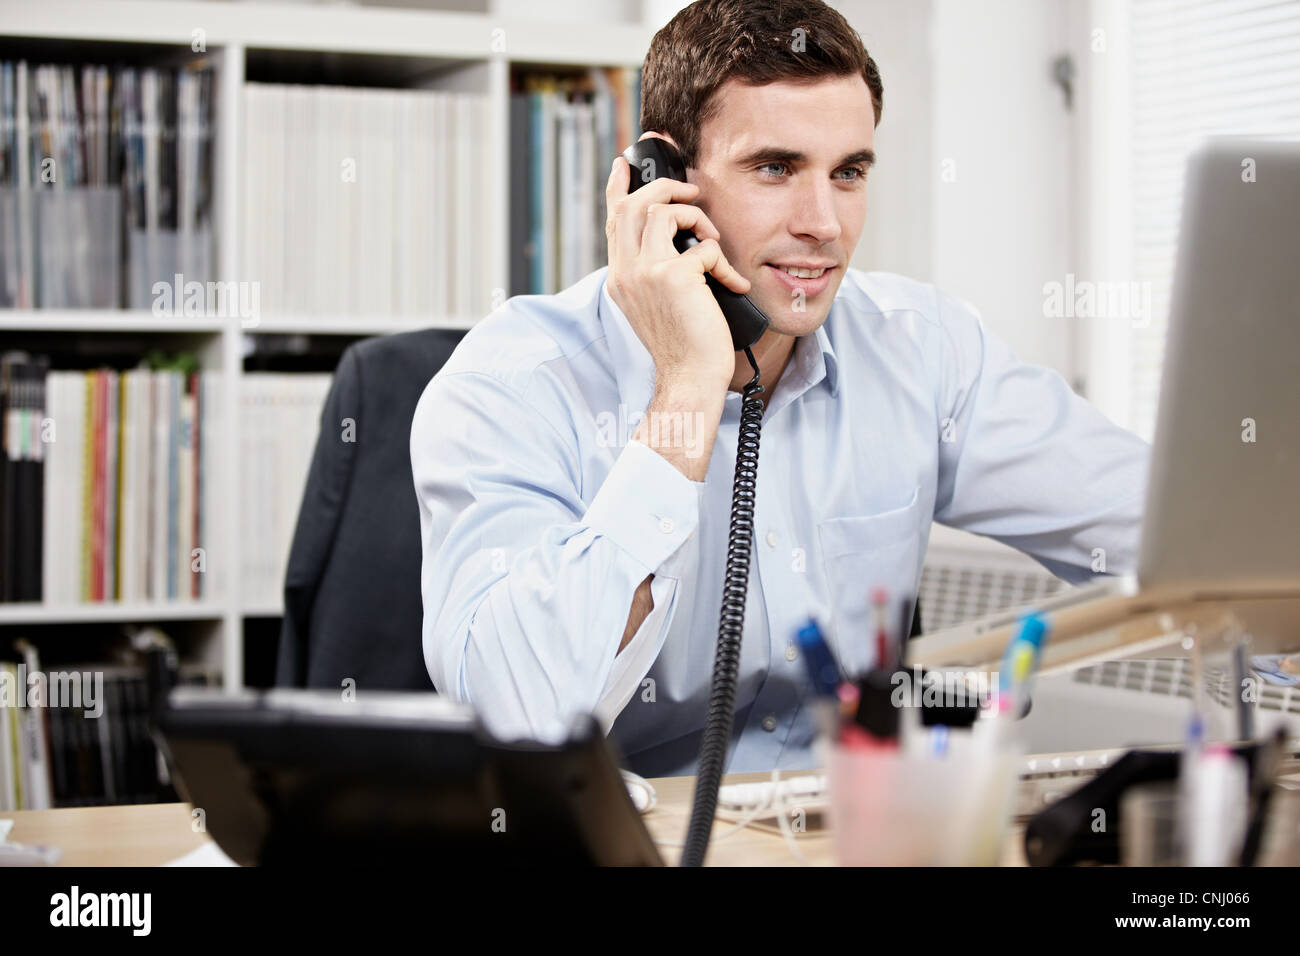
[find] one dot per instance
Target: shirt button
(666, 525)
(769, 723)
(791, 652)
(772, 539)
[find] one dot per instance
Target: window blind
(1197, 69)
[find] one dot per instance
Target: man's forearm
(643, 603)
(681, 424)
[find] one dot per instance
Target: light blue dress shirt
(539, 516)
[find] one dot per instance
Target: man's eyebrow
(775, 154)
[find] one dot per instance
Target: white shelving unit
(432, 50)
(35, 612)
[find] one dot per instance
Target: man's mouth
(807, 278)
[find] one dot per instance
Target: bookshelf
(271, 43)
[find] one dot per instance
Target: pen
(1019, 664)
(848, 695)
(1216, 810)
(907, 612)
(1245, 712)
(820, 664)
(939, 741)
(1268, 755)
(880, 599)
(823, 674)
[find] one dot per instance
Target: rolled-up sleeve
(526, 586)
(1025, 460)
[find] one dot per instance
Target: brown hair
(754, 41)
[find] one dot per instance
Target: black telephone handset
(652, 159)
(656, 158)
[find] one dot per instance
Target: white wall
(656, 13)
(898, 236)
(970, 83)
(1004, 228)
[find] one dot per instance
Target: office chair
(352, 604)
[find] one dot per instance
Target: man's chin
(792, 315)
(788, 320)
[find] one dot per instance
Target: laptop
(1222, 509)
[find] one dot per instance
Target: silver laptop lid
(1223, 496)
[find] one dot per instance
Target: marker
(1019, 664)
(848, 695)
(822, 669)
(906, 614)
(939, 741)
(880, 599)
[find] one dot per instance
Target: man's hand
(662, 291)
(663, 294)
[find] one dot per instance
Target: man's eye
(767, 166)
(859, 173)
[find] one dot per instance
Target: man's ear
(650, 132)
(664, 136)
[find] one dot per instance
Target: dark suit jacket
(352, 604)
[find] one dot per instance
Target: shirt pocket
(859, 554)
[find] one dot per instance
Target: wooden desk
(759, 845)
(146, 834)
(153, 834)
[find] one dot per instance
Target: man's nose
(814, 216)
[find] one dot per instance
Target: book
(10, 789)
(22, 472)
(103, 495)
(280, 422)
(564, 132)
(367, 202)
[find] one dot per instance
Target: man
(574, 459)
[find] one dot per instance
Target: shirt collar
(814, 358)
(817, 356)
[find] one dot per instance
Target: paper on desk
(207, 855)
(18, 854)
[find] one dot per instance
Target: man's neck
(772, 352)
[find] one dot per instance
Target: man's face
(782, 174)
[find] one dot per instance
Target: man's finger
(714, 262)
(615, 190)
(663, 220)
(631, 222)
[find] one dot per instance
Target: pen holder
(903, 809)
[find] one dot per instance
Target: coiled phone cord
(726, 662)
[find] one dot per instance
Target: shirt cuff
(634, 661)
(646, 506)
